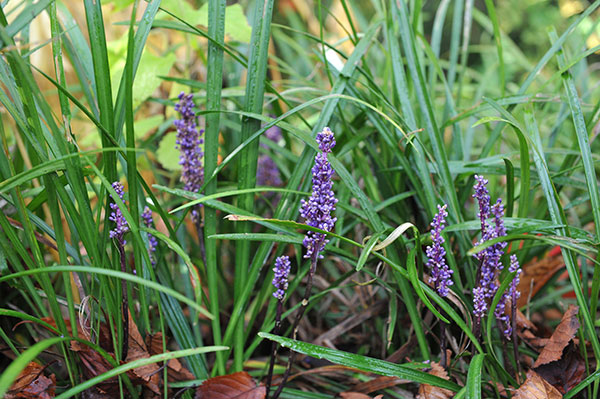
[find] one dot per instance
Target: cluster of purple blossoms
(117, 217)
(280, 278)
(490, 258)
(317, 210)
(441, 275)
(152, 241)
(511, 294)
(267, 173)
(189, 141)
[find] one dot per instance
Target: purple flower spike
(441, 275)
(273, 133)
(117, 217)
(280, 279)
(189, 141)
(152, 241)
(317, 210)
(479, 303)
(267, 173)
(482, 195)
(512, 293)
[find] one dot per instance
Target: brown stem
(444, 360)
(515, 337)
(274, 345)
(125, 304)
(313, 267)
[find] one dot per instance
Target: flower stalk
(317, 213)
(118, 234)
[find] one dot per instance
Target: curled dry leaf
(377, 384)
(561, 337)
(137, 350)
(565, 373)
(175, 370)
(357, 395)
(537, 273)
(427, 391)
(32, 383)
(232, 386)
(535, 387)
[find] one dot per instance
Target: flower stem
(313, 267)
(125, 304)
(274, 346)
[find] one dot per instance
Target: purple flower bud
(441, 275)
(117, 217)
(512, 293)
(482, 195)
(152, 241)
(317, 210)
(267, 173)
(280, 279)
(489, 258)
(189, 141)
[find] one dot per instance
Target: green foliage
(421, 96)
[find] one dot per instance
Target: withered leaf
(175, 370)
(427, 391)
(535, 387)
(137, 350)
(537, 273)
(32, 383)
(566, 372)
(376, 384)
(233, 386)
(560, 338)
(356, 395)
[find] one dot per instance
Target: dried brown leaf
(233, 386)
(32, 384)
(427, 391)
(354, 395)
(175, 370)
(536, 274)
(561, 337)
(535, 387)
(378, 383)
(137, 350)
(566, 372)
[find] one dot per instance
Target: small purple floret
(189, 141)
(512, 293)
(441, 275)
(116, 216)
(317, 210)
(280, 279)
(152, 241)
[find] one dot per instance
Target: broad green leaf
(167, 154)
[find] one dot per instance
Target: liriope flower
(152, 241)
(441, 275)
(280, 279)
(317, 210)
(189, 141)
(116, 216)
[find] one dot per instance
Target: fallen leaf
(566, 372)
(427, 391)
(233, 386)
(537, 273)
(535, 387)
(32, 384)
(137, 350)
(93, 364)
(175, 370)
(561, 337)
(377, 384)
(354, 395)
